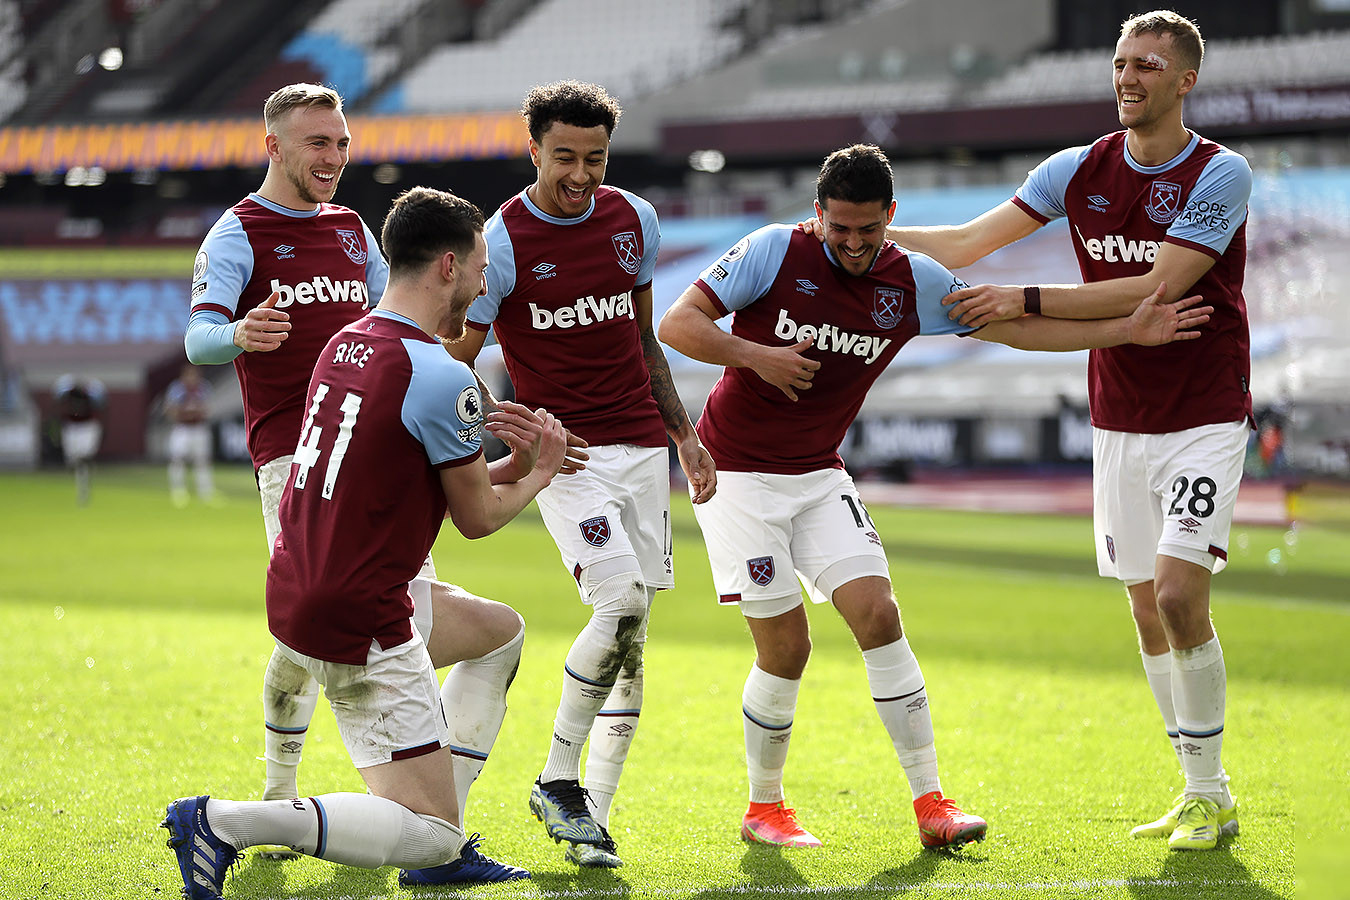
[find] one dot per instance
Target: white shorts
(272, 477)
(387, 710)
(80, 440)
(618, 505)
(760, 528)
(191, 442)
(1164, 495)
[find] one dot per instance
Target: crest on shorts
(888, 307)
(760, 569)
(351, 245)
(595, 531)
(625, 245)
(1110, 548)
(1164, 202)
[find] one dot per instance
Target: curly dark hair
(571, 103)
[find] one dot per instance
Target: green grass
(101, 262)
(137, 641)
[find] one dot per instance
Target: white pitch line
(887, 889)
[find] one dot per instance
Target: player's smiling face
(470, 283)
(855, 232)
(311, 146)
(571, 162)
(1150, 79)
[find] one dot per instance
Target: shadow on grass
(599, 882)
(258, 877)
(770, 874)
(1203, 875)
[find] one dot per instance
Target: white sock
(1199, 686)
(611, 737)
(615, 726)
(1158, 670)
(769, 704)
(902, 702)
(474, 698)
(177, 477)
(618, 618)
(206, 487)
(289, 697)
(352, 829)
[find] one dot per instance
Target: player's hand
(576, 456)
(1157, 321)
(698, 468)
(264, 328)
(552, 446)
(521, 429)
(786, 368)
(984, 303)
(814, 227)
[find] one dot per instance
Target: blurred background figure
(79, 403)
(187, 405)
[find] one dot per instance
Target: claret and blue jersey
(386, 409)
(327, 267)
(782, 287)
(1120, 214)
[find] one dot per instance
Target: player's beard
(300, 180)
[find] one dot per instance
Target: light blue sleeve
(501, 271)
(209, 339)
(932, 282)
(651, 235)
(223, 266)
(377, 269)
(746, 271)
(1217, 204)
(442, 408)
(1044, 188)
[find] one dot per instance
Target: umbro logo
(916, 705)
(620, 729)
(544, 270)
(1190, 523)
(806, 287)
(1098, 202)
(284, 251)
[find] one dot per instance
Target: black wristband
(1031, 300)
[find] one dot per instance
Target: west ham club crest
(1164, 202)
(888, 307)
(625, 244)
(351, 245)
(761, 569)
(595, 531)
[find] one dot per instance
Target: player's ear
(890, 213)
(447, 265)
(534, 153)
(1187, 82)
(273, 144)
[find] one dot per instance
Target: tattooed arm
(694, 459)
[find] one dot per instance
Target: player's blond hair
(1186, 39)
(298, 96)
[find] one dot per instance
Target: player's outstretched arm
(690, 326)
(984, 303)
(263, 328)
(1154, 321)
(695, 460)
(956, 246)
(478, 507)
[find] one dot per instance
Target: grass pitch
(137, 641)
